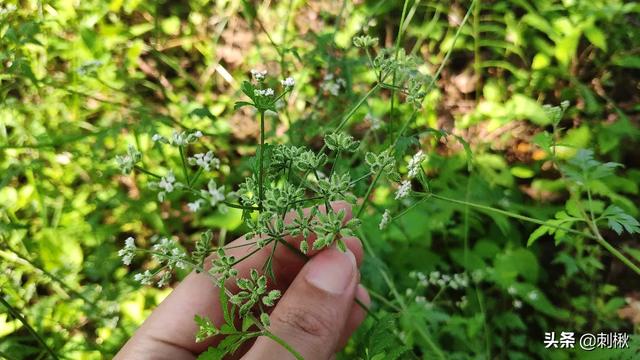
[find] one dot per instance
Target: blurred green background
(82, 79)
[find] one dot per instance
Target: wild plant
(291, 189)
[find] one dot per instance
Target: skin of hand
(316, 314)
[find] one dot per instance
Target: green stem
(594, 229)
(184, 166)
(16, 314)
(145, 171)
(615, 252)
(196, 176)
(476, 49)
(511, 214)
(352, 111)
(261, 168)
(236, 206)
(592, 226)
(284, 344)
(441, 67)
(365, 199)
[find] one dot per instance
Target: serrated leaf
(212, 354)
(538, 233)
(618, 220)
(240, 104)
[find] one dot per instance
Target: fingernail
(331, 270)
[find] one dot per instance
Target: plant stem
(476, 49)
(352, 111)
(594, 229)
(441, 67)
(284, 344)
(236, 206)
(145, 171)
(384, 300)
(511, 214)
(15, 313)
(261, 169)
(365, 199)
(196, 176)
(184, 166)
(592, 226)
(615, 252)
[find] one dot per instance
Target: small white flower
(533, 295)
(512, 290)
(461, 279)
(178, 139)
(385, 220)
(157, 137)
(332, 86)
(163, 247)
(178, 258)
(403, 190)
(127, 162)
(128, 251)
(258, 75)
(265, 92)
(517, 304)
(205, 161)
(288, 82)
(164, 279)
(144, 278)
(167, 182)
(195, 206)
(414, 164)
(130, 242)
(213, 193)
(434, 276)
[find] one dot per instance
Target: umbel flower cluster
(289, 192)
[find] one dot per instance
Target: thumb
(314, 310)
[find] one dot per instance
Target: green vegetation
(489, 149)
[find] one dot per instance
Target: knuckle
(315, 322)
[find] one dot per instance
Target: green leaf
(618, 220)
(596, 37)
(212, 353)
(239, 104)
(248, 89)
(206, 328)
(224, 304)
(628, 61)
(583, 168)
(519, 262)
(538, 233)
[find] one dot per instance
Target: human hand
(315, 316)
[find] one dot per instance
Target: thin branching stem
(16, 314)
